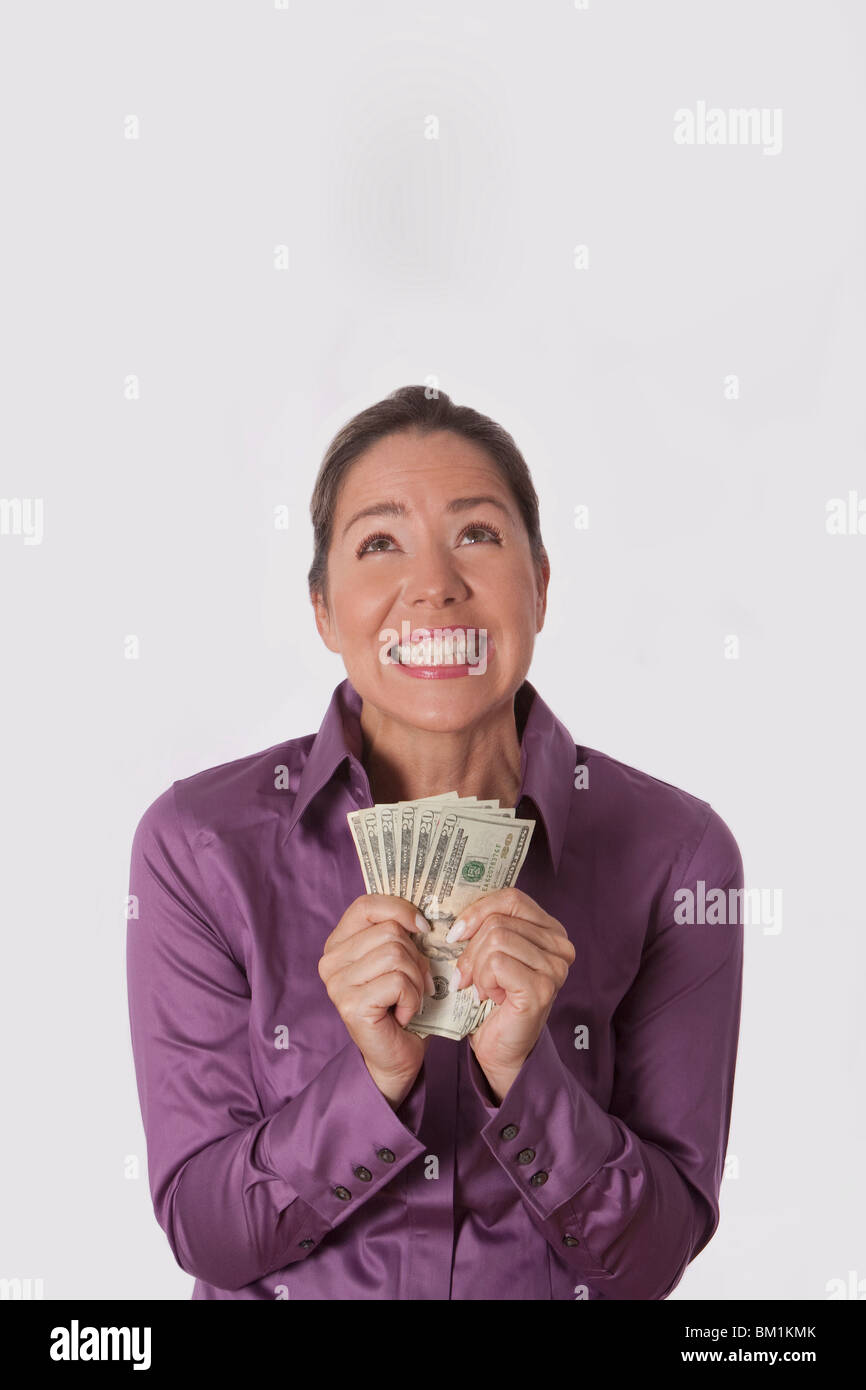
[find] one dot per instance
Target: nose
(435, 581)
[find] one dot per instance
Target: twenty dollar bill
(441, 853)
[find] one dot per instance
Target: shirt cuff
(549, 1134)
(340, 1141)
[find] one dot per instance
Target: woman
(301, 1142)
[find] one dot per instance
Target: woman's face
(441, 561)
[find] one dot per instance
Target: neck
(405, 763)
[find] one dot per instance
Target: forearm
(499, 1082)
(394, 1089)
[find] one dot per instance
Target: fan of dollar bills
(441, 853)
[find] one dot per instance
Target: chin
(442, 706)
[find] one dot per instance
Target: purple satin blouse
(277, 1168)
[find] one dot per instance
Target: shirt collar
(547, 759)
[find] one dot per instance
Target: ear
(323, 622)
(542, 572)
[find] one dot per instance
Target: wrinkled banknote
(441, 853)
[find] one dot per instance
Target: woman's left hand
(519, 956)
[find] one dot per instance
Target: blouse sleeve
(628, 1196)
(237, 1192)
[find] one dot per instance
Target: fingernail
(456, 931)
(454, 982)
(421, 923)
(475, 995)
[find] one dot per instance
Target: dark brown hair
(410, 407)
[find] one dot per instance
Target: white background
(449, 262)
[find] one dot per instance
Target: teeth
(449, 650)
(405, 653)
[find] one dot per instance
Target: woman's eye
(484, 530)
(366, 545)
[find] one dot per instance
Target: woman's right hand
(370, 964)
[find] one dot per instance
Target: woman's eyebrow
(457, 504)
